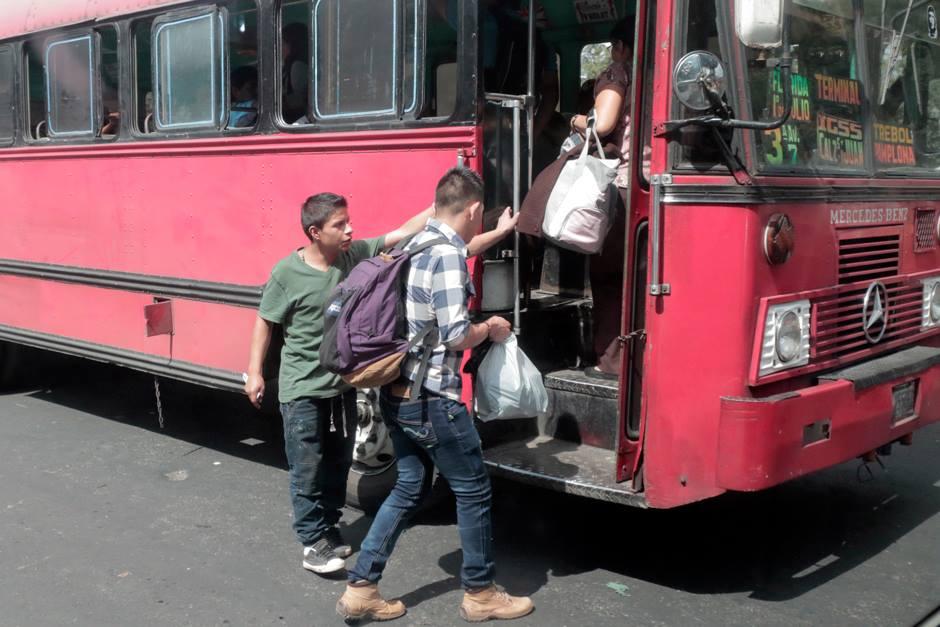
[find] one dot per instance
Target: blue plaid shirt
(437, 291)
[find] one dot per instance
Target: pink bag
(577, 216)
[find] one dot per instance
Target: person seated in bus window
(111, 125)
(294, 71)
(244, 110)
(612, 96)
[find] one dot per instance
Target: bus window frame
(259, 123)
(94, 83)
(215, 126)
(736, 83)
(398, 74)
(13, 49)
(881, 171)
(469, 87)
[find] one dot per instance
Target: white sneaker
(321, 559)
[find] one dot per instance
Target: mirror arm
(785, 64)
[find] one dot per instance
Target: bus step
(562, 466)
(582, 409)
(577, 381)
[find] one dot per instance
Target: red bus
(781, 297)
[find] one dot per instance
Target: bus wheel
(373, 471)
(10, 361)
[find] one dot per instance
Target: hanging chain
(156, 390)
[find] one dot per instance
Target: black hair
(623, 32)
(457, 187)
(295, 35)
(317, 210)
(244, 75)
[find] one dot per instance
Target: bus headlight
(931, 304)
(789, 336)
(786, 337)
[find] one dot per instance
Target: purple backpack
(365, 328)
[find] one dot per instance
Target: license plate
(903, 399)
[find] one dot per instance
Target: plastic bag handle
(591, 131)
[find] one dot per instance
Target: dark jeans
(441, 432)
(319, 455)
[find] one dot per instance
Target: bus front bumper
(766, 441)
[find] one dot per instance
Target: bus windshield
(855, 110)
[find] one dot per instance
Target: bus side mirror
(759, 23)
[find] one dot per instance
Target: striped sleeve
(449, 296)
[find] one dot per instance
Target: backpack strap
(421, 336)
(420, 248)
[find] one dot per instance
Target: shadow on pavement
(775, 545)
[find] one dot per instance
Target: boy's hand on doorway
(507, 221)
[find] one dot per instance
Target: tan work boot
(364, 601)
(490, 603)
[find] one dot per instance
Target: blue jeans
(319, 455)
(441, 432)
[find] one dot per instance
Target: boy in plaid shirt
(435, 426)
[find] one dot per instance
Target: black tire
(366, 491)
(18, 365)
(8, 359)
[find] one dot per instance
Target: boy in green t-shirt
(318, 408)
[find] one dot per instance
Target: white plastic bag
(577, 215)
(508, 385)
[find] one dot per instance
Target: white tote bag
(509, 385)
(578, 214)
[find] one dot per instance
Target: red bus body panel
(222, 211)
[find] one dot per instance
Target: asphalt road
(107, 520)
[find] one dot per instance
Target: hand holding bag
(578, 213)
(508, 385)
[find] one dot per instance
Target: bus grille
(869, 258)
(924, 237)
(838, 319)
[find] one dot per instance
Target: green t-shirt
(294, 297)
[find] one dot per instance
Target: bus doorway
(592, 432)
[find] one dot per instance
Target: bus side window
(7, 120)
(70, 72)
(445, 93)
(35, 89)
(109, 71)
(355, 76)
(331, 72)
(440, 59)
(189, 86)
(243, 64)
(295, 61)
(143, 76)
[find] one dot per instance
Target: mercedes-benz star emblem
(875, 312)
